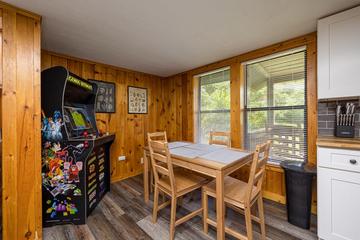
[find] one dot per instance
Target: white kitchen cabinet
(339, 55)
(338, 194)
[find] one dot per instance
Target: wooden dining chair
(220, 138)
(175, 183)
(241, 196)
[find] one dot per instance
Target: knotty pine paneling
(173, 108)
(130, 129)
(20, 100)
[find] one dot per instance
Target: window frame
(274, 108)
(210, 111)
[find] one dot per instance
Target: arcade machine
(75, 159)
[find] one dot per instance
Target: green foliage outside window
(214, 105)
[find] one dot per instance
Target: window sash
(271, 109)
(221, 75)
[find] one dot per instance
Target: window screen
(214, 104)
(276, 105)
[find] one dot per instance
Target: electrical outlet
(122, 158)
(142, 160)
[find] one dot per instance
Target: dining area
(175, 169)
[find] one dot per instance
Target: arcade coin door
(68, 134)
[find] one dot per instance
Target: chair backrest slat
(159, 157)
(162, 170)
(258, 176)
(159, 136)
(220, 138)
(257, 170)
(262, 162)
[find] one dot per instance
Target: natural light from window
(214, 103)
(276, 105)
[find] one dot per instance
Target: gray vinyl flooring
(122, 214)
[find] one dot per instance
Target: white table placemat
(205, 147)
(225, 155)
(178, 144)
(187, 152)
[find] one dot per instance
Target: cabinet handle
(353, 161)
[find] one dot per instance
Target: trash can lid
(297, 166)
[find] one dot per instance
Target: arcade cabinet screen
(78, 118)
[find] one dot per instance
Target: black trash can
(298, 181)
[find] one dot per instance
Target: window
(276, 105)
(214, 103)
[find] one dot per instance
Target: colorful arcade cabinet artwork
(75, 159)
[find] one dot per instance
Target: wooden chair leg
(248, 223)
(205, 205)
(173, 217)
(156, 204)
(262, 217)
(151, 182)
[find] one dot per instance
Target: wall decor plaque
(137, 100)
(105, 98)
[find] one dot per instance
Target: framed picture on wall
(105, 98)
(137, 100)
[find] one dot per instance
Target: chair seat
(185, 182)
(235, 191)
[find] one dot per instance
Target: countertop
(336, 142)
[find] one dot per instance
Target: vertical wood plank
(235, 107)
(37, 129)
(45, 61)
(9, 128)
(193, 108)
(242, 89)
(311, 85)
(1, 63)
(58, 61)
(184, 79)
(21, 126)
(25, 115)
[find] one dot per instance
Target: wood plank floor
(122, 214)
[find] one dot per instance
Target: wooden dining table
(211, 160)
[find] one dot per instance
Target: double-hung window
(214, 103)
(275, 106)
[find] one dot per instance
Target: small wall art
(137, 100)
(105, 98)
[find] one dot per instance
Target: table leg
(146, 178)
(220, 206)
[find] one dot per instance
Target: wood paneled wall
(21, 153)
(185, 83)
(130, 129)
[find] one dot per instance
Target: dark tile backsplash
(326, 117)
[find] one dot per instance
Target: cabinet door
(339, 55)
(338, 204)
